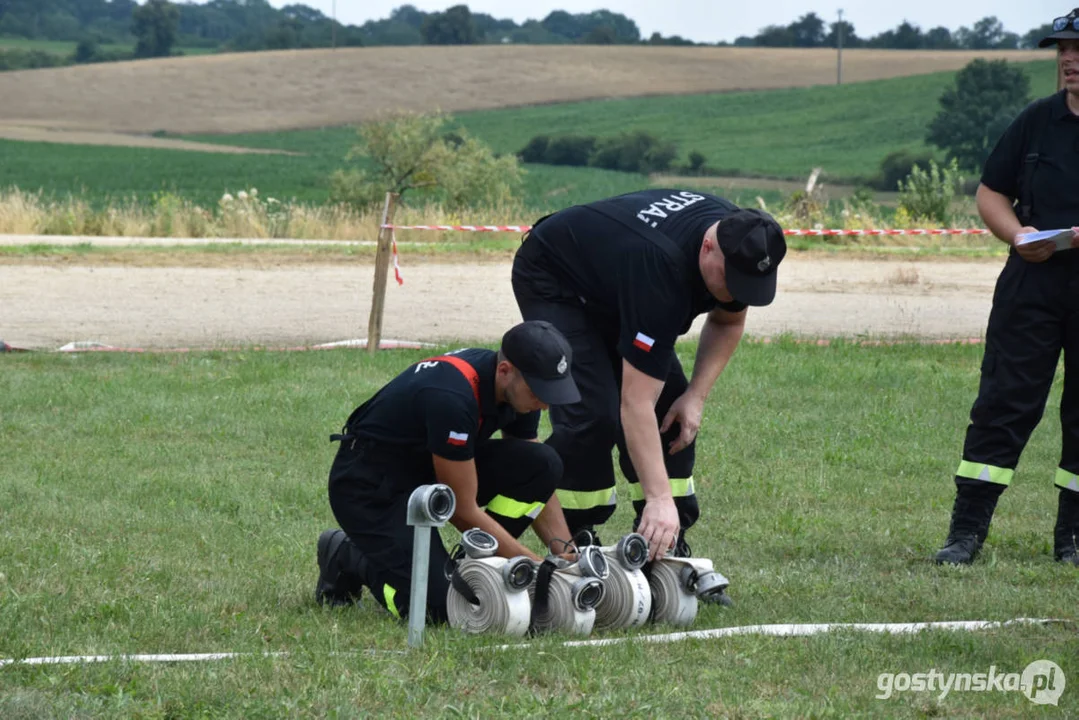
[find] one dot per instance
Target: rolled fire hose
(572, 592)
(678, 583)
(487, 593)
(627, 597)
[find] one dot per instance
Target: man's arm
(460, 475)
(999, 216)
(551, 526)
(720, 335)
(659, 520)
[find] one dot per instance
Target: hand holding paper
(1061, 239)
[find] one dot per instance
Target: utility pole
(333, 26)
(839, 50)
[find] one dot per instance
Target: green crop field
(63, 47)
(847, 130)
(170, 503)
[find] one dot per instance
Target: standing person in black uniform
(434, 423)
(1030, 182)
(622, 278)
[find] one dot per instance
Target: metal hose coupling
(627, 597)
(488, 593)
(677, 585)
(429, 506)
(565, 594)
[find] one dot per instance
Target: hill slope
(317, 88)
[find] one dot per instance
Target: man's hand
(1035, 252)
(686, 411)
(659, 526)
(1075, 237)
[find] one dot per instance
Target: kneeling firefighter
(434, 423)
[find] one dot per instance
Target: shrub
(929, 193)
(637, 151)
(570, 150)
(897, 166)
(536, 150)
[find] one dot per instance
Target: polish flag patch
(458, 439)
(644, 342)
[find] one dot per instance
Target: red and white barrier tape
(804, 232)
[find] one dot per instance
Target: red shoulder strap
(470, 374)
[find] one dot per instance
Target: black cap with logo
(1064, 28)
(543, 356)
(753, 246)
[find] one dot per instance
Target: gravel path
(49, 305)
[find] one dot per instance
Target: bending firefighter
(435, 422)
(1029, 183)
(622, 278)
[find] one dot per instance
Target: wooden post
(382, 267)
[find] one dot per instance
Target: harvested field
(256, 92)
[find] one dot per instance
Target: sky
(715, 20)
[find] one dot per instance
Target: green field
(169, 503)
(63, 47)
(847, 130)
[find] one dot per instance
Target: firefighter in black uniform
(1029, 183)
(622, 278)
(434, 423)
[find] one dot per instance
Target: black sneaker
(326, 591)
(959, 549)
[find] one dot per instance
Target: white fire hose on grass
(487, 593)
(677, 585)
(565, 594)
(627, 597)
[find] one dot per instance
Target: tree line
(241, 25)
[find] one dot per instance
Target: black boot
(331, 589)
(1066, 532)
(586, 536)
(975, 502)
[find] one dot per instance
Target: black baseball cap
(543, 356)
(1064, 28)
(753, 246)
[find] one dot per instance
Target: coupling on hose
(488, 593)
(627, 598)
(677, 585)
(565, 594)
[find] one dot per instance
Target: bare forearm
(714, 350)
(997, 213)
(550, 525)
(645, 447)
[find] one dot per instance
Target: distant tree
(453, 27)
(600, 35)
(154, 24)
(905, 37)
(986, 34)
(939, 38)
(807, 31)
(1034, 36)
(412, 153)
(85, 51)
(774, 36)
(975, 112)
(850, 37)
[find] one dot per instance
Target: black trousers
(1035, 316)
(585, 433)
(369, 496)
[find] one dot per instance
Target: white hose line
(767, 630)
(501, 610)
(671, 603)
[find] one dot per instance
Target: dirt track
(47, 306)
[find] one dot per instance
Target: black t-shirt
(628, 280)
(430, 408)
(1049, 128)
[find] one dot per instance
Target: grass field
(170, 503)
(63, 47)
